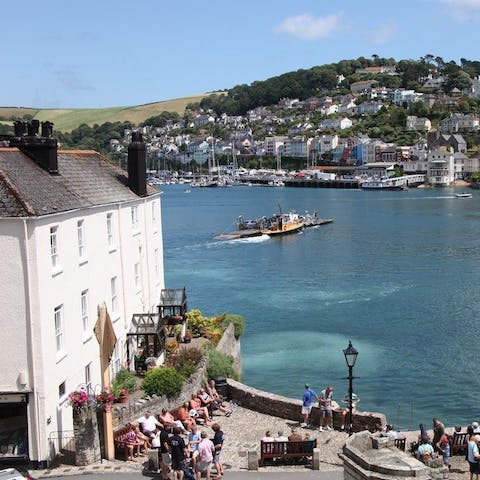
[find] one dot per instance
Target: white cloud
(384, 33)
(462, 10)
(307, 27)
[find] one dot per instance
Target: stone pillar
(316, 459)
(252, 460)
(85, 427)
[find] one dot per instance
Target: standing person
(325, 403)
(193, 441)
(443, 447)
(166, 461)
(217, 444)
(179, 453)
(473, 455)
(205, 457)
(309, 396)
(438, 432)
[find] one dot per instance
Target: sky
(104, 53)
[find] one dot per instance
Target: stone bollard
(252, 460)
(153, 465)
(316, 459)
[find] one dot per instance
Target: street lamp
(350, 357)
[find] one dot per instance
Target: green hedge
(163, 381)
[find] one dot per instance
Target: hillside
(66, 120)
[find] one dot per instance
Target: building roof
(85, 179)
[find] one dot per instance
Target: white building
(75, 231)
(441, 167)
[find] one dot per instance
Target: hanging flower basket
(79, 399)
(104, 400)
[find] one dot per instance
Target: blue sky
(60, 54)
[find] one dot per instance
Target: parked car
(13, 474)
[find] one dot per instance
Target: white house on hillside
(441, 167)
(75, 231)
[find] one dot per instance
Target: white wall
(49, 411)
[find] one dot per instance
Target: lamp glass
(351, 354)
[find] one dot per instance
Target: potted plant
(79, 399)
(122, 395)
(187, 338)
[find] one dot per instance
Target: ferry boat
(282, 224)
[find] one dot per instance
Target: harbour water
(397, 273)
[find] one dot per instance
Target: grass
(65, 120)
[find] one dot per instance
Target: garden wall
(122, 413)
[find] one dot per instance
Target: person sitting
(196, 406)
(268, 437)
(131, 442)
(183, 415)
(148, 423)
(346, 410)
(280, 437)
(169, 421)
(425, 450)
(142, 439)
(212, 391)
(294, 437)
(211, 403)
(390, 432)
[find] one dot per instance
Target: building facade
(76, 232)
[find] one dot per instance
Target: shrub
(163, 381)
(186, 361)
(220, 364)
(197, 322)
(238, 323)
(171, 345)
(124, 379)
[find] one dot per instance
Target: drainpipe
(31, 343)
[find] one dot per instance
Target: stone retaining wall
(122, 413)
(290, 408)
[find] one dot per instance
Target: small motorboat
(463, 195)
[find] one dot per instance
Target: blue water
(397, 273)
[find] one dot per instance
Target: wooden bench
(121, 444)
(286, 450)
(400, 443)
(458, 442)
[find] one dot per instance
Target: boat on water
(383, 184)
(276, 182)
(313, 220)
(463, 195)
(282, 224)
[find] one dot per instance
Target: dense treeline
(320, 80)
(94, 138)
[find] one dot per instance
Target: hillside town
(325, 133)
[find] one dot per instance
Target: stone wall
(87, 442)
(369, 456)
(290, 408)
(229, 345)
(122, 413)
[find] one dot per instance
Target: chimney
(41, 149)
(137, 165)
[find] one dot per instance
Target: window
(54, 247)
(134, 212)
(138, 283)
(116, 363)
(61, 390)
(88, 377)
(58, 315)
(155, 264)
(84, 310)
(110, 239)
(81, 239)
(113, 287)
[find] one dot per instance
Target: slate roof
(85, 179)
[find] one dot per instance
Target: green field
(65, 120)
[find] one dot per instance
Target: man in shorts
(205, 457)
(325, 404)
(179, 453)
(309, 396)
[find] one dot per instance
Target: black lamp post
(350, 357)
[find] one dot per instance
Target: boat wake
(257, 239)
